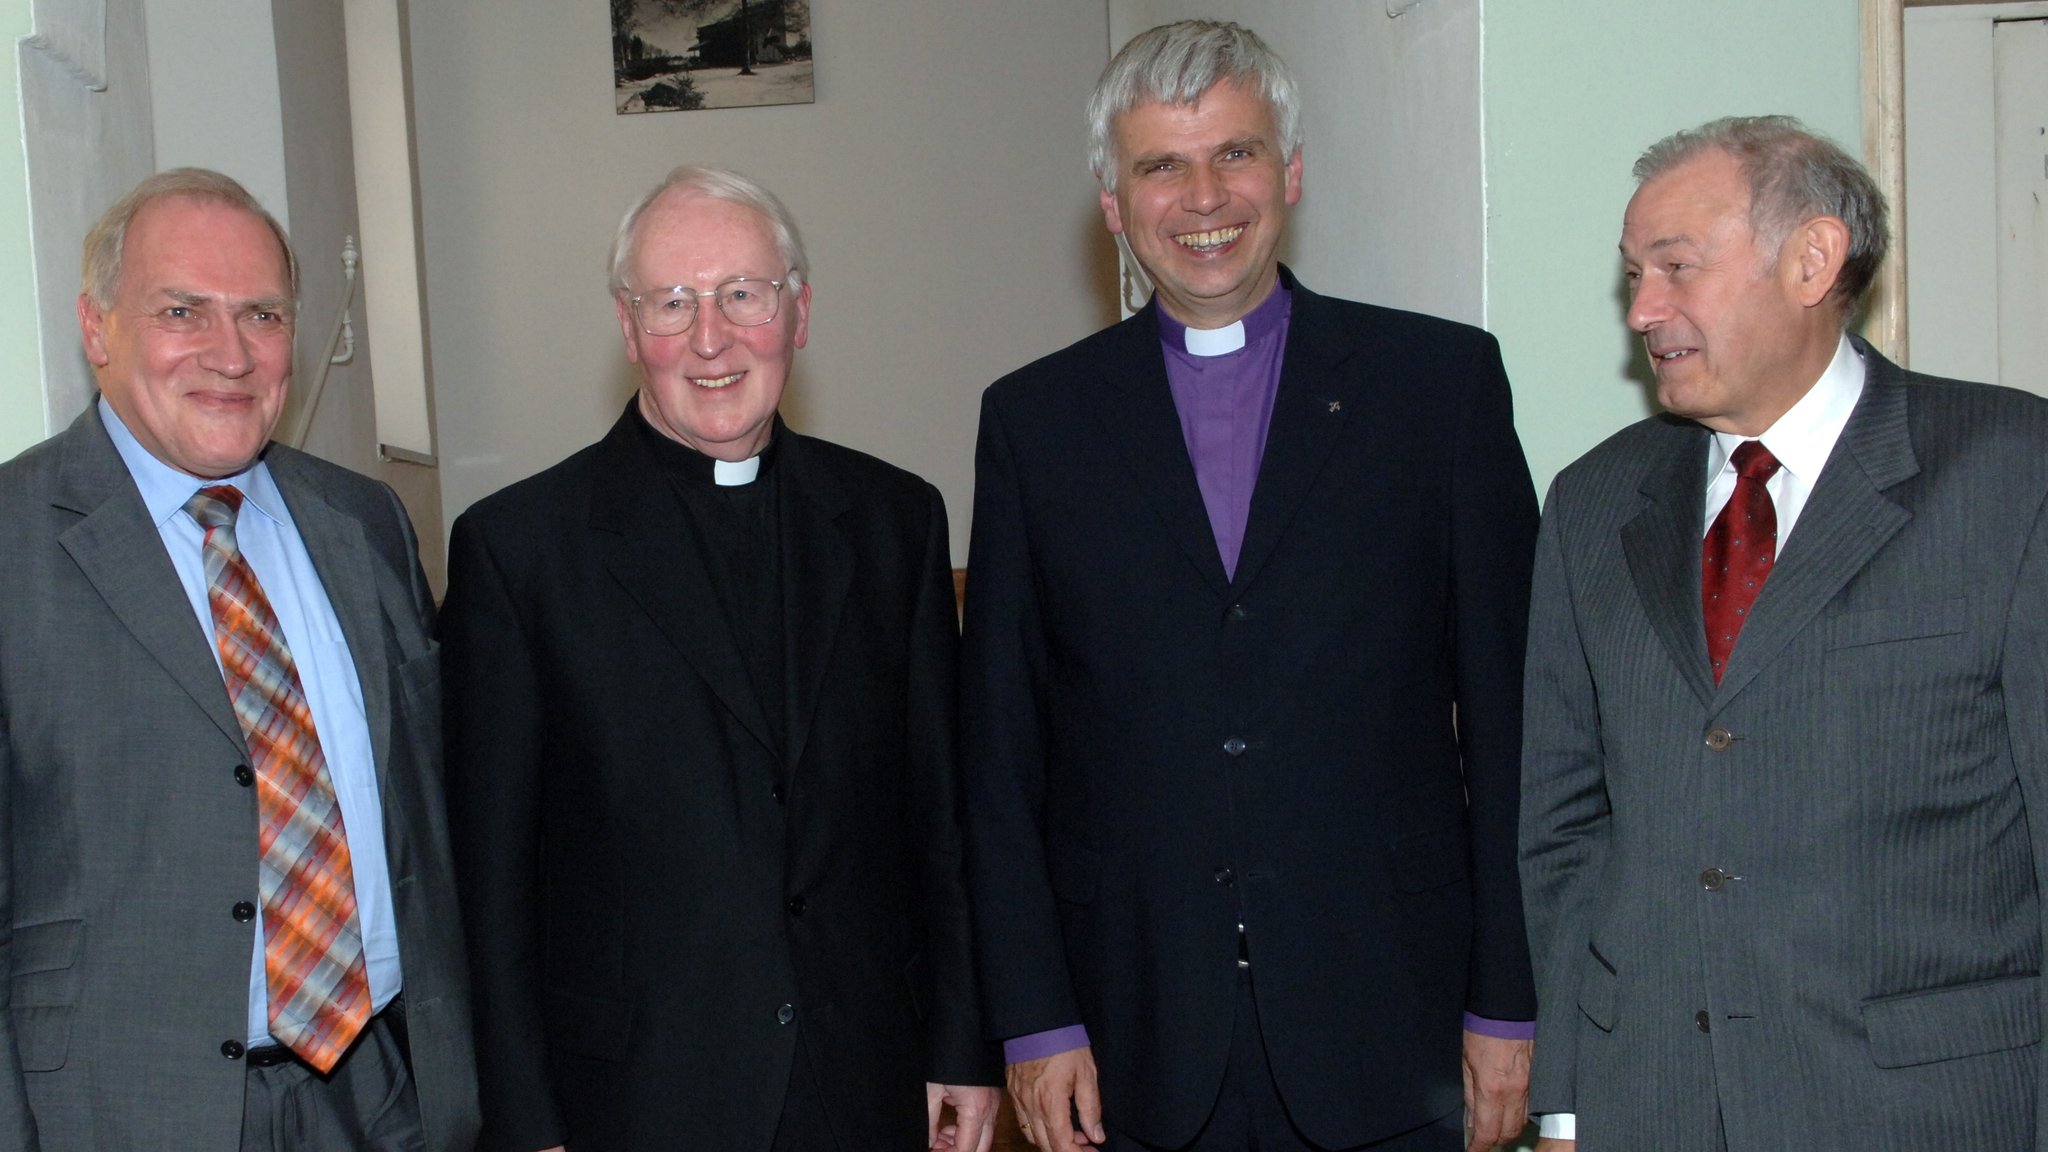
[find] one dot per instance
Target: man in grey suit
(1786, 742)
(226, 899)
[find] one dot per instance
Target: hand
(1496, 1090)
(1555, 1145)
(556, 1148)
(1049, 1092)
(974, 1116)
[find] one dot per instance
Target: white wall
(21, 362)
(1391, 207)
(213, 80)
(1575, 90)
(940, 181)
(85, 109)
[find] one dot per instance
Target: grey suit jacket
(1802, 905)
(127, 836)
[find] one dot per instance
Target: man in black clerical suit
(1243, 671)
(701, 766)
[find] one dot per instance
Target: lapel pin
(1335, 405)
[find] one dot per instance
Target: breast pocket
(1898, 624)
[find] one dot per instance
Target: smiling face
(1735, 333)
(1202, 195)
(714, 387)
(194, 353)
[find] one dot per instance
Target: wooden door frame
(1884, 153)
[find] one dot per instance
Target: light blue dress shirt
(272, 545)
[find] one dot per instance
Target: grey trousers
(367, 1104)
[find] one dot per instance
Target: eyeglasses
(746, 301)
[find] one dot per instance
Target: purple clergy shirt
(1225, 401)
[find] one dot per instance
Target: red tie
(1740, 547)
(312, 939)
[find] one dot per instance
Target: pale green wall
(21, 370)
(1574, 90)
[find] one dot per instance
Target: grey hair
(1794, 175)
(105, 241)
(713, 184)
(1175, 64)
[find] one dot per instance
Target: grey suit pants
(367, 1104)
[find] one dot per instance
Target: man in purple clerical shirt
(1242, 676)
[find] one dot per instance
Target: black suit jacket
(1326, 746)
(656, 911)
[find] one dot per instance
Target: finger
(973, 1126)
(1054, 1126)
(1088, 1102)
(934, 1103)
(988, 1134)
(1496, 1123)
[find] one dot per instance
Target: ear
(627, 327)
(92, 325)
(1813, 256)
(1110, 216)
(803, 316)
(1294, 178)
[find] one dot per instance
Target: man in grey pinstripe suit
(1789, 900)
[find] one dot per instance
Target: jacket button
(1719, 739)
(1234, 746)
(232, 1049)
(1225, 877)
(243, 776)
(244, 911)
(796, 905)
(1713, 879)
(1701, 1019)
(787, 1012)
(1237, 612)
(778, 793)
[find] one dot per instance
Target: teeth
(1207, 241)
(1672, 355)
(719, 382)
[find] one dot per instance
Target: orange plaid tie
(312, 941)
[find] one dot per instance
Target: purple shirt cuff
(1039, 1045)
(1501, 1029)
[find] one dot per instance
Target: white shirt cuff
(1558, 1126)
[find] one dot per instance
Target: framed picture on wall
(682, 55)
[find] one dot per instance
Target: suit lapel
(818, 563)
(1662, 547)
(120, 551)
(1315, 399)
(342, 556)
(1845, 521)
(1136, 408)
(638, 527)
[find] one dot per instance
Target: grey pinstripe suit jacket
(126, 838)
(1871, 777)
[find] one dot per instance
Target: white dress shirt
(270, 541)
(1801, 439)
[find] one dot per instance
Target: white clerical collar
(732, 473)
(1214, 341)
